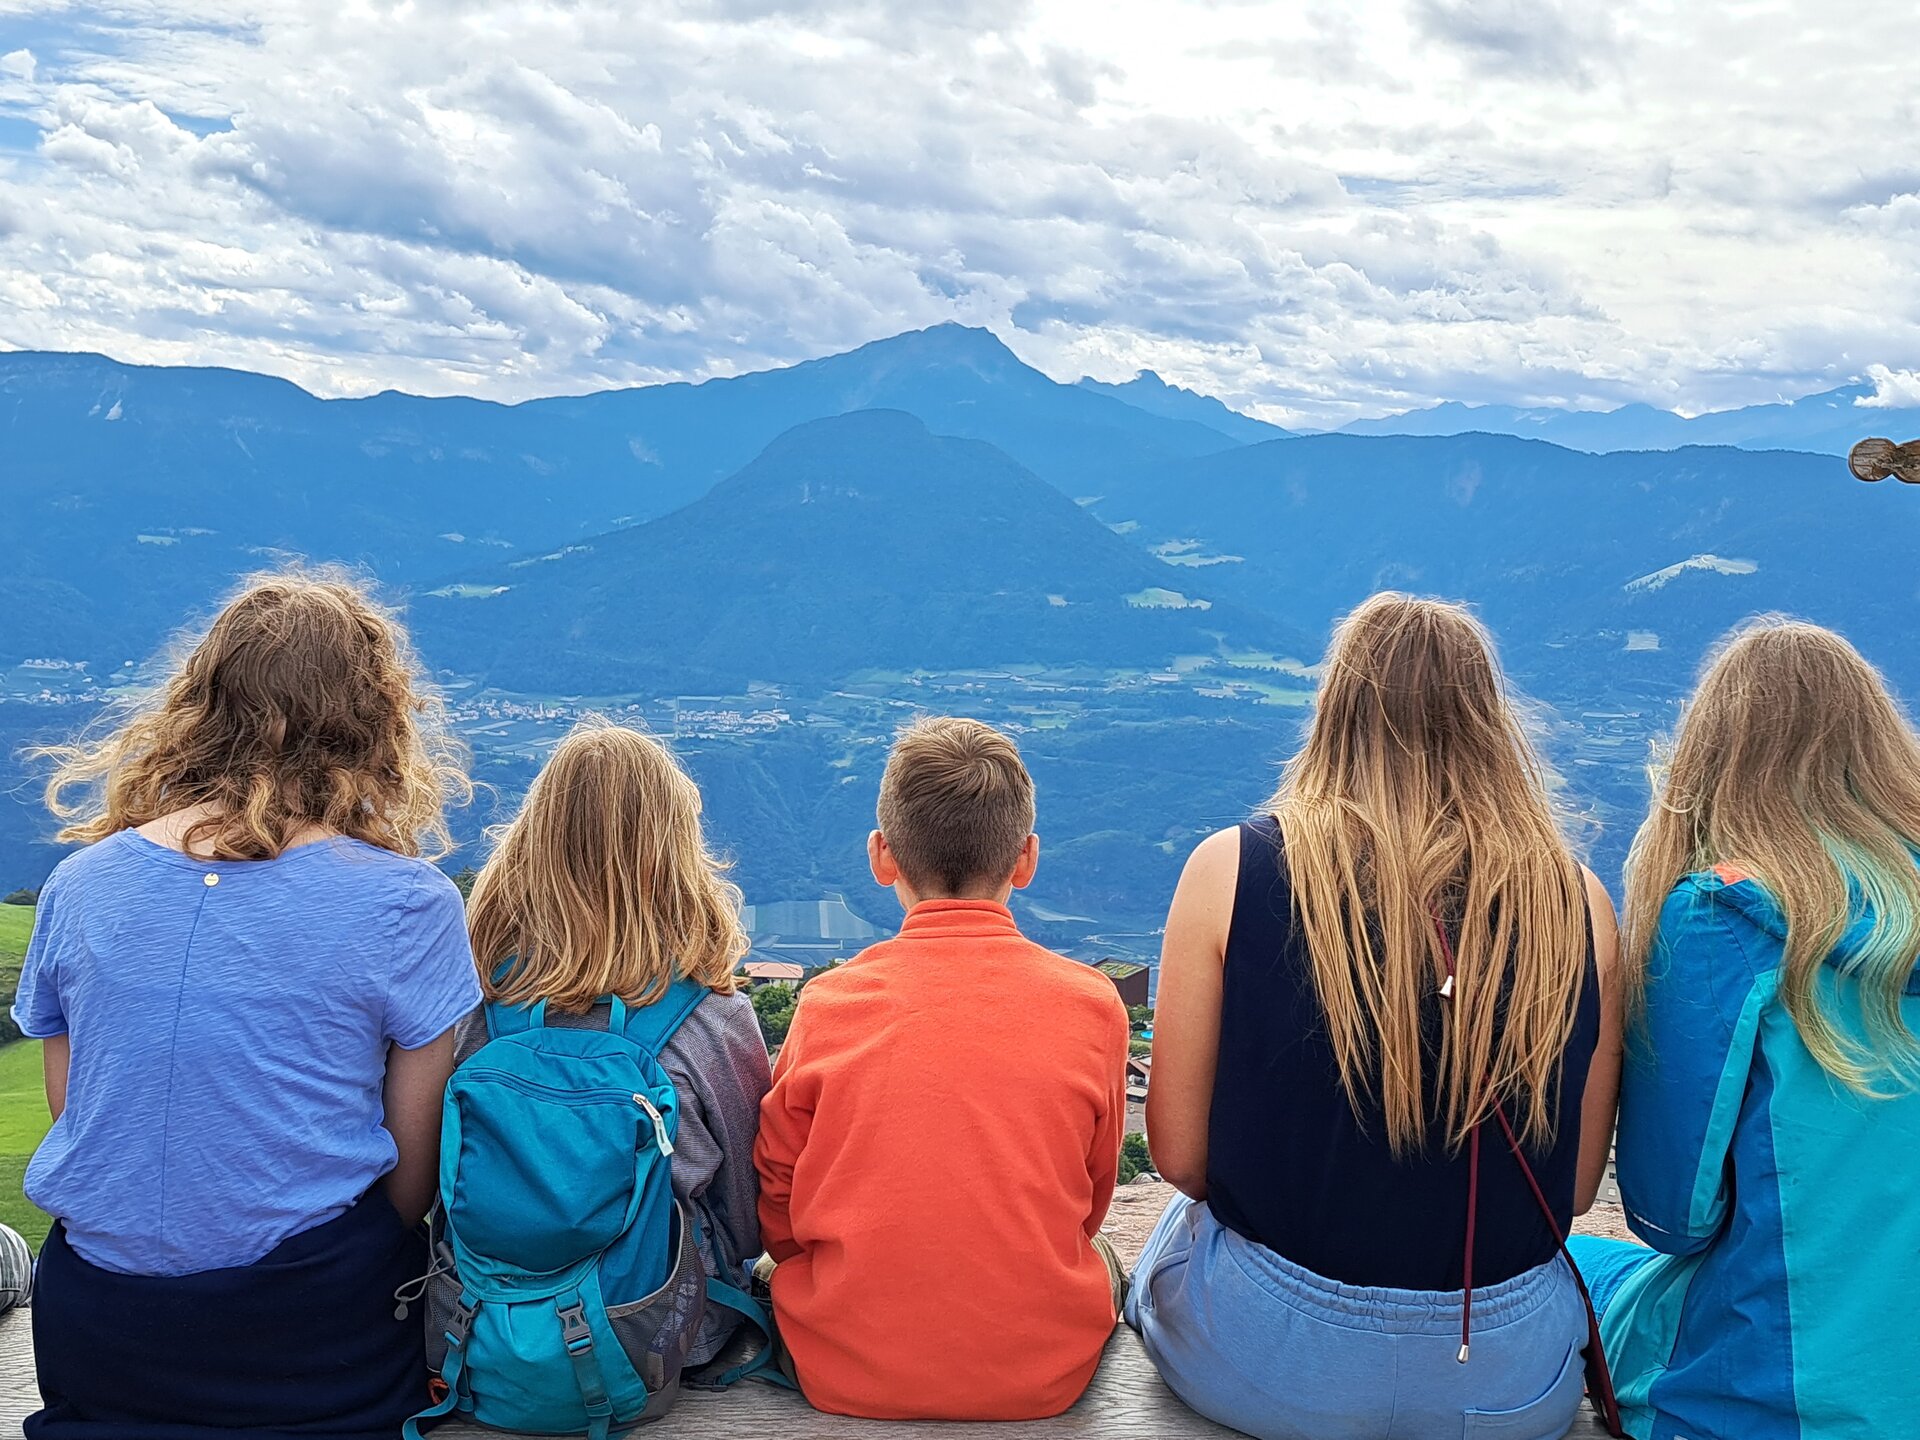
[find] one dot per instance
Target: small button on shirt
(229, 1023)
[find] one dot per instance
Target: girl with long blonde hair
(1398, 953)
(603, 886)
(1770, 1111)
(245, 985)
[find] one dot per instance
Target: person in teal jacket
(1769, 1134)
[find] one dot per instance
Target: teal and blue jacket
(1784, 1205)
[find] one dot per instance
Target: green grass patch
(1198, 562)
(1158, 597)
(1278, 694)
(16, 923)
(1261, 660)
(23, 1124)
(23, 1093)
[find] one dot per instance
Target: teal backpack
(567, 1286)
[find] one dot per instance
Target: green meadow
(23, 1098)
(16, 923)
(23, 1121)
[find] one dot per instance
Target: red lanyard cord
(1599, 1378)
(1473, 1167)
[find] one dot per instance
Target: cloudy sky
(1315, 210)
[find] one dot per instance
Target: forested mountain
(858, 543)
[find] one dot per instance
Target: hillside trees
(773, 1006)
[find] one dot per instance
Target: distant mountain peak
(1152, 380)
(953, 329)
(1149, 392)
(949, 340)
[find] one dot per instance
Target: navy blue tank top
(1291, 1167)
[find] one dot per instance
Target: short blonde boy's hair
(956, 804)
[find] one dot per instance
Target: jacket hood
(1740, 891)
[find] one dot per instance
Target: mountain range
(140, 489)
(1133, 577)
(1829, 423)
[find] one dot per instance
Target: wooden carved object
(1882, 459)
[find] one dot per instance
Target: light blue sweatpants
(1255, 1342)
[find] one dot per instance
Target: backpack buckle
(575, 1333)
(460, 1324)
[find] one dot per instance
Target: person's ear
(880, 860)
(1028, 862)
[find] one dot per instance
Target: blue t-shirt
(229, 1024)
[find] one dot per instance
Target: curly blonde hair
(301, 706)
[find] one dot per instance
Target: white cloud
(1314, 211)
(1892, 389)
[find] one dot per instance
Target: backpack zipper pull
(659, 1124)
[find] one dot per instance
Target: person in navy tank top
(1399, 952)
(246, 985)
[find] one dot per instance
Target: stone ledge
(1127, 1401)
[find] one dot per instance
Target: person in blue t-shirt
(246, 984)
(1770, 1107)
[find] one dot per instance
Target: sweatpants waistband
(1379, 1307)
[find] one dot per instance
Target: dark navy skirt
(302, 1343)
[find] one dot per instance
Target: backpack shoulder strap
(760, 1364)
(512, 1019)
(652, 1026)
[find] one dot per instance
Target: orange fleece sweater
(938, 1150)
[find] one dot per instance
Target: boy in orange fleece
(941, 1142)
